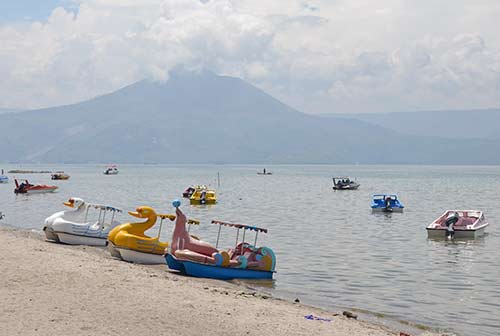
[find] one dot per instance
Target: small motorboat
(1, 215)
(129, 242)
(73, 226)
(386, 203)
(197, 258)
(202, 196)
(59, 176)
(111, 170)
(344, 183)
(27, 188)
(458, 224)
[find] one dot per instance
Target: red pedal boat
(27, 188)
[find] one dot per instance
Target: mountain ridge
(201, 117)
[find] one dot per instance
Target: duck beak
(135, 214)
(70, 203)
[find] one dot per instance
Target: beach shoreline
(54, 289)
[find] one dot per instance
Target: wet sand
(53, 289)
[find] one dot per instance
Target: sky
(319, 56)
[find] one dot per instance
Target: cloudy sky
(319, 56)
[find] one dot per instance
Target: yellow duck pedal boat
(129, 242)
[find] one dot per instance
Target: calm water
(332, 251)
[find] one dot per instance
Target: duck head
(143, 212)
(74, 202)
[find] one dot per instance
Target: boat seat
(464, 221)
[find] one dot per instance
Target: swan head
(143, 212)
(74, 202)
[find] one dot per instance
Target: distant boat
(60, 176)
(386, 203)
(4, 178)
(203, 196)
(1, 215)
(27, 188)
(264, 172)
(111, 170)
(344, 183)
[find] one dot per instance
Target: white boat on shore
(458, 224)
(73, 227)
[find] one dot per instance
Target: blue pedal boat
(386, 203)
(243, 256)
(201, 270)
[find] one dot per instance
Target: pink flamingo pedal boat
(458, 224)
(197, 258)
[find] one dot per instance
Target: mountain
(465, 124)
(8, 110)
(200, 117)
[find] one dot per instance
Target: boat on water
(73, 226)
(197, 258)
(59, 176)
(111, 170)
(188, 192)
(344, 183)
(192, 188)
(264, 172)
(458, 224)
(1, 215)
(27, 188)
(202, 196)
(4, 178)
(386, 203)
(129, 242)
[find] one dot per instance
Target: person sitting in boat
(388, 202)
(22, 186)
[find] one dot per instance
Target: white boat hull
(458, 234)
(135, 256)
(40, 191)
(71, 239)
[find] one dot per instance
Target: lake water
(331, 250)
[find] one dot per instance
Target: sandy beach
(52, 289)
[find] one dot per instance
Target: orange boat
(27, 188)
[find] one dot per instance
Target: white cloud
(318, 55)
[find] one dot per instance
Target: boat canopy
(383, 196)
(105, 207)
(240, 226)
(165, 216)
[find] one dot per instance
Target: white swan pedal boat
(458, 224)
(74, 226)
